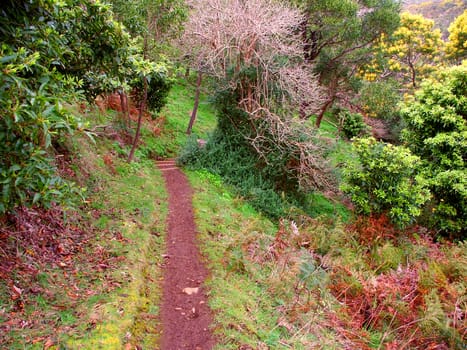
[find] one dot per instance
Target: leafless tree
(255, 47)
(229, 37)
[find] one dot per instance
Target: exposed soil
(186, 318)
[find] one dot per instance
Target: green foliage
(352, 124)
(47, 46)
(456, 47)
(231, 158)
(156, 20)
(387, 257)
(338, 37)
(265, 172)
(74, 37)
(385, 179)
(436, 131)
(380, 99)
(32, 117)
(159, 83)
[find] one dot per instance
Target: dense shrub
(32, 116)
(352, 124)
(47, 46)
(267, 183)
(231, 159)
(380, 99)
(436, 131)
(385, 179)
(159, 84)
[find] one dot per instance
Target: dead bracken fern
(327, 299)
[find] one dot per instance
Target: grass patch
(169, 134)
(313, 284)
(127, 312)
(249, 295)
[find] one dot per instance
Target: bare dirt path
(184, 312)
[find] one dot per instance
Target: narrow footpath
(185, 315)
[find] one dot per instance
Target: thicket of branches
(254, 52)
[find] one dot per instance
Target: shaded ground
(185, 315)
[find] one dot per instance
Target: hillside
(443, 12)
(278, 220)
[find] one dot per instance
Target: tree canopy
(414, 48)
(47, 49)
(457, 45)
(338, 37)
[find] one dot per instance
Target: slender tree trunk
(332, 91)
(143, 103)
(124, 105)
(322, 111)
(196, 104)
(142, 108)
(413, 76)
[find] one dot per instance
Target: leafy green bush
(32, 116)
(352, 124)
(436, 131)
(380, 99)
(47, 46)
(236, 164)
(159, 83)
(385, 179)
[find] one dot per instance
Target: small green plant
(380, 99)
(385, 179)
(158, 83)
(352, 124)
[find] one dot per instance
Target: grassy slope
(129, 314)
(307, 285)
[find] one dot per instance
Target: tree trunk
(142, 108)
(322, 111)
(413, 76)
(196, 104)
(125, 109)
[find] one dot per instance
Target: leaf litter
(50, 263)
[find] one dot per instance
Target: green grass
(173, 119)
(249, 295)
(138, 199)
(319, 205)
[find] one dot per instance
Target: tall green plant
(32, 116)
(437, 132)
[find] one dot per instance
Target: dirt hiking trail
(185, 315)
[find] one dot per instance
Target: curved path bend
(185, 315)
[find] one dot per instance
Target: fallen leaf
(190, 291)
(18, 291)
(48, 343)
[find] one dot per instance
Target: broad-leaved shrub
(385, 179)
(436, 131)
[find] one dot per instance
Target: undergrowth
(134, 211)
(237, 165)
(309, 284)
(80, 278)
